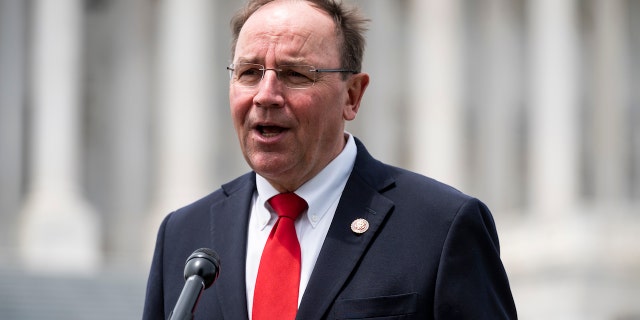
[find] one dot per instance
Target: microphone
(200, 271)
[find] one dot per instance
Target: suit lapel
(340, 253)
(229, 219)
(342, 248)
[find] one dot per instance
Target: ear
(356, 85)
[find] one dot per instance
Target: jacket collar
(229, 217)
(340, 253)
(343, 248)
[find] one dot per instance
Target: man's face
(289, 135)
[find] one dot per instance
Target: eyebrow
(293, 61)
(245, 60)
(286, 62)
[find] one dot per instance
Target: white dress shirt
(322, 194)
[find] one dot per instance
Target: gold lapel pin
(359, 226)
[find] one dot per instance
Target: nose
(270, 91)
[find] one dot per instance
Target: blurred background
(113, 113)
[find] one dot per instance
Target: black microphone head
(204, 263)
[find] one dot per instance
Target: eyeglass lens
(295, 77)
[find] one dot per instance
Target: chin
(266, 167)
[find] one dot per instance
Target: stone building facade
(115, 112)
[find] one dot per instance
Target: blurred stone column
(60, 231)
(554, 152)
(499, 92)
(609, 88)
(633, 10)
(436, 120)
(119, 45)
(13, 37)
(383, 104)
(186, 110)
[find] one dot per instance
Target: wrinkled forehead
(287, 30)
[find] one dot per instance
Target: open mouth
(270, 131)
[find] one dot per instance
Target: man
(376, 241)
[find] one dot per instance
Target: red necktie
(278, 282)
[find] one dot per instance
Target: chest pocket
(402, 306)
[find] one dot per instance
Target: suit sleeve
(154, 300)
(472, 282)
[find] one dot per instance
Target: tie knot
(288, 205)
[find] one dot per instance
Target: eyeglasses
(292, 76)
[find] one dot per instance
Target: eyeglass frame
(231, 68)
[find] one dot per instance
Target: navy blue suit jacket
(430, 252)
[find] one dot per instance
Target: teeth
(270, 131)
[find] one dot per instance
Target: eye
(249, 72)
(291, 73)
(296, 76)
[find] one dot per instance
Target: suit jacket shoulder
(429, 252)
(216, 221)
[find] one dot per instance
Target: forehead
(288, 30)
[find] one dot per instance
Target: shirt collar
(321, 191)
